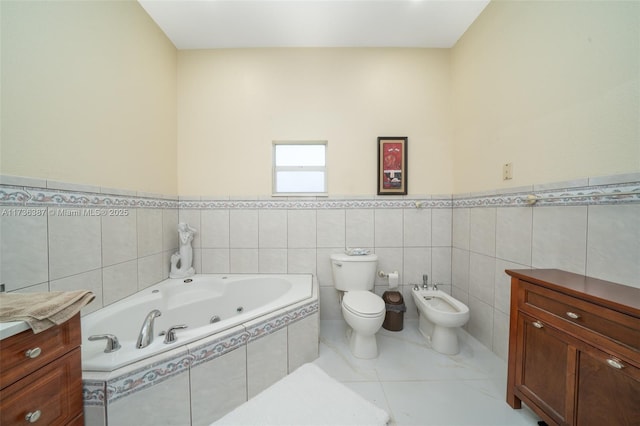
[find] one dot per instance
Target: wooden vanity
(574, 348)
(41, 377)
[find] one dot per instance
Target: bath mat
(308, 396)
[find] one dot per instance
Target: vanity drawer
(50, 396)
(610, 325)
(26, 352)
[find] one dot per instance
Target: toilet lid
(363, 303)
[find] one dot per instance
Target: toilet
(440, 317)
(363, 310)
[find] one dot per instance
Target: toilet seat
(363, 303)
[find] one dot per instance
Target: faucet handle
(112, 341)
(170, 336)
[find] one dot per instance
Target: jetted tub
(196, 302)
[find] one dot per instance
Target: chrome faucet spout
(146, 332)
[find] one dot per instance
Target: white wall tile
(24, 257)
(218, 386)
(330, 308)
(360, 228)
(417, 227)
(165, 403)
(388, 228)
(302, 341)
(170, 229)
(150, 270)
(301, 261)
(74, 243)
(331, 228)
(215, 228)
(613, 247)
(119, 281)
(460, 231)
(150, 231)
(91, 280)
(119, 238)
(502, 289)
(417, 262)
(441, 265)
(482, 271)
(513, 234)
(482, 231)
(273, 229)
(215, 261)
(441, 227)
(243, 261)
(500, 344)
(301, 229)
(390, 260)
(481, 321)
(272, 261)
(266, 361)
(243, 232)
(560, 238)
(323, 265)
(460, 269)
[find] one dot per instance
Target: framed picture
(392, 166)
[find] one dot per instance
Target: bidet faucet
(146, 332)
(425, 281)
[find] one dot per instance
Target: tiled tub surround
(201, 381)
(466, 240)
(203, 305)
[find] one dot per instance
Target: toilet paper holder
(383, 274)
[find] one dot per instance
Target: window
(299, 168)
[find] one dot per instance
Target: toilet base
(361, 346)
(443, 339)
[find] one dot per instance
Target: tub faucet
(146, 332)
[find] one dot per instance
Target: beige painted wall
(553, 87)
(233, 103)
(88, 95)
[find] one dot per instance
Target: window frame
(275, 169)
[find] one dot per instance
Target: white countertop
(8, 329)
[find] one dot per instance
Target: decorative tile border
(93, 392)
(210, 351)
(319, 204)
(147, 376)
(582, 196)
(41, 197)
(622, 193)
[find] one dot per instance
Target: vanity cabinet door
(545, 363)
(608, 390)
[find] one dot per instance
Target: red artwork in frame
(392, 165)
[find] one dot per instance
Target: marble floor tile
(419, 386)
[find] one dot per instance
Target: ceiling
(211, 24)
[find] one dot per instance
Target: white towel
(308, 396)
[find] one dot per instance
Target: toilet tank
(352, 273)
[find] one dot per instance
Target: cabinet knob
(33, 416)
(537, 324)
(33, 353)
(615, 363)
(573, 315)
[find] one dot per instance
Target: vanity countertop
(8, 329)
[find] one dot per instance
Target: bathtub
(229, 300)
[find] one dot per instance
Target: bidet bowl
(441, 308)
